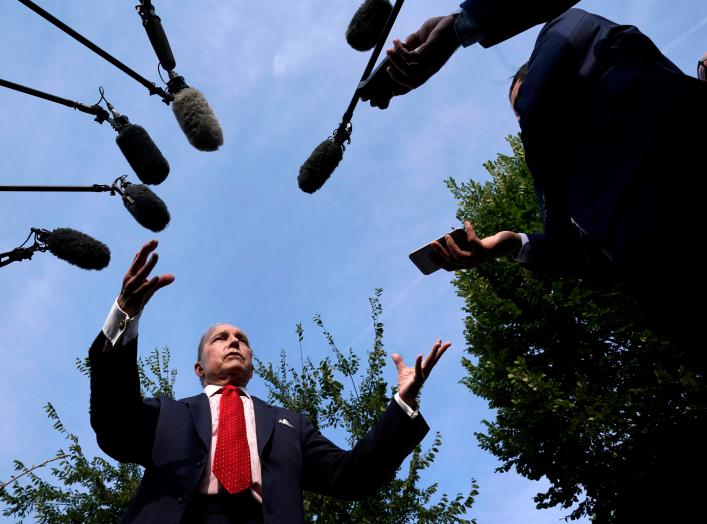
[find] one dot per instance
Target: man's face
(226, 357)
(514, 97)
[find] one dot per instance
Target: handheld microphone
(367, 24)
(146, 207)
(194, 115)
(76, 248)
(158, 38)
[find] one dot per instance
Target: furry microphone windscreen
(142, 154)
(146, 207)
(197, 119)
(320, 165)
(367, 24)
(78, 248)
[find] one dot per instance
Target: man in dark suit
(223, 456)
(605, 120)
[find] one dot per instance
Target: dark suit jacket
(498, 20)
(604, 116)
(171, 439)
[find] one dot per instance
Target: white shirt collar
(212, 389)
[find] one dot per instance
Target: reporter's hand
(419, 57)
(474, 251)
(410, 379)
(137, 290)
(423, 53)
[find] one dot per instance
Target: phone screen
(426, 258)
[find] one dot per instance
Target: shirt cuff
(468, 31)
(522, 256)
(118, 325)
(412, 413)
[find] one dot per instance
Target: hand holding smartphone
(427, 259)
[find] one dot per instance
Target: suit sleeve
(543, 254)
(493, 21)
(123, 422)
(373, 461)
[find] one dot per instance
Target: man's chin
(237, 373)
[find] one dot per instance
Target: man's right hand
(137, 290)
(474, 250)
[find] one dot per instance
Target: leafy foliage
(83, 490)
(584, 393)
(318, 390)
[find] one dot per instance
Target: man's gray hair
(203, 339)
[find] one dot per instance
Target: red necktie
(232, 457)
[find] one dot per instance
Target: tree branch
(29, 470)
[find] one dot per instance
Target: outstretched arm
(563, 252)
(123, 422)
(375, 458)
(414, 60)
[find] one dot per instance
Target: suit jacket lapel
(201, 416)
(264, 423)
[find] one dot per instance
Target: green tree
(584, 393)
(80, 489)
(97, 491)
(319, 390)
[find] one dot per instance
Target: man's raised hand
(137, 289)
(410, 379)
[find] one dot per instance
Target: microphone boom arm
(95, 110)
(16, 255)
(151, 87)
(95, 188)
(118, 186)
(25, 253)
(348, 115)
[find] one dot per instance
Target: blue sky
(246, 245)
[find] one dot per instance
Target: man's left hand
(410, 379)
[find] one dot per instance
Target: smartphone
(427, 258)
(378, 84)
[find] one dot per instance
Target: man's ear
(199, 370)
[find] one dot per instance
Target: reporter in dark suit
(612, 132)
(209, 460)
